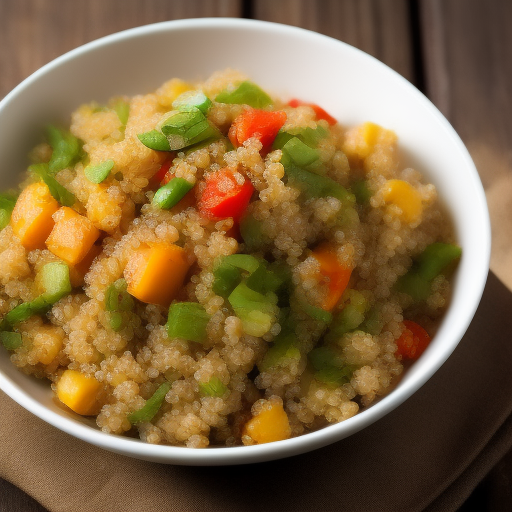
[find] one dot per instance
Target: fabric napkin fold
(429, 453)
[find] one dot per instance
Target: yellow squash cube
(79, 392)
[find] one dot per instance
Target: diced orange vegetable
(413, 341)
(227, 194)
(156, 273)
(261, 124)
(406, 197)
(319, 111)
(31, 219)
(72, 236)
(79, 392)
(78, 271)
(331, 271)
(270, 425)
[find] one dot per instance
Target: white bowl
(348, 83)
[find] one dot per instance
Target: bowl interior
(349, 84)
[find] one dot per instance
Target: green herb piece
(67, 149)
(189, 99)
(10, 340)
(154, 140)
(99, 172)
(330, 368)
(214, 387)
(187, 320)
(316, 313)
(60, 193)
(122, 109)
(362, 192)
(55, 281)
(151, 407)
(281, 354)
(247, 93)
(185, 128)
(7, 202)
(171, 193)
(24, 311)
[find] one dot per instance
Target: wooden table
(458, 52)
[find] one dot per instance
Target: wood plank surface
(467, 51)
(381, 28)
(33, 32)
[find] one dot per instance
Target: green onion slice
(99, 172)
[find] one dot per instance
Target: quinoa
(298, 357)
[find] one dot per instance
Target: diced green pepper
(197, 99)
(99, 172)
(214, 387)
(116, 321)
(247, 93)
(299, 153)
(227, 278)
(310, 136)
(282, 351)
(171, 193)
(66, 148)
(60, 193)
(245, 262)
(252, 234)
(187, 320)
(350, 317)
(7, 202)
(329, 367)
(372, 323)
(264, 280)
(316, 313)
(122, 109)
(151, 407)
(154, 140)
(55, 281)
(361, 191)
(10, 340)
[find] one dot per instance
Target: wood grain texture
(33, 32)
(468, 74)
(379, 27)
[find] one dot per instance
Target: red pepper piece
(261, 124)
(319, 111)
(162, 176)
(225, 195)
(413, 341)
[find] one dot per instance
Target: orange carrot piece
(79, 392)
(156, 273)
(331, 271)
(31, 218)
(261, 124)
(72, 236)
(413, 341)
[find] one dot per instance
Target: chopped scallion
(99, 172)
(171, 193)
(151, 407)
(154, 140)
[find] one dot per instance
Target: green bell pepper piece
(187, 320)
(247, 93)
(171, 193)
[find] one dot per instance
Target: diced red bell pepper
(413, 341)
(162, 176)
(225, 195)
(261, 124)
(319, 111)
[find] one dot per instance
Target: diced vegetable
(245, 262)
(247, 93)
(60, 193)
(333, 273)
(227, 278)
(185, 128)
(406, 197)
(252, 233)
(413, 341)
(99, 172)
(31, 218)
(154, 140)
(156, 273)
(429, 264)
(72, 236)
(281, 353)
(300, 154)
(214, 387)
(66, 149)
(7, 202)
(318, 314)
(187, 320)
(227, 194)
(171, 193)
(350, 317)
(163, 175)
(264, 279)
(24, 311)
(54, 279)
(310, 136)
(197, 99)
(260, 124)
(116, 321)
(256, 310)
(319, 111)
(151, 407)
(10, 340)
(361, 191)
(270, 425)
(122, 109)
(117, 298)
(330, 368)
(79, 392)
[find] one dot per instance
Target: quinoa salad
(206, 265)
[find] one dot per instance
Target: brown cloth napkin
(428, 454)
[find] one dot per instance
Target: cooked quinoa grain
(237, 270)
